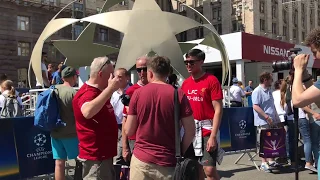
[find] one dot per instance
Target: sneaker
(311, 168)
(273, 164)
(265, 168)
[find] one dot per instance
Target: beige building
(287, 21)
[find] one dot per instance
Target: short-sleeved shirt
(65, 97)
(236, 93)
(57, 77)
(153, 106)
(248, 89)
(317, 84)
(130, 92)
(97, 135)
(117, 105)
(200, 93)
(264, 99)
(43, 68)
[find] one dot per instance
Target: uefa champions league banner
(33, 148)
(241, 126)
(9, 168)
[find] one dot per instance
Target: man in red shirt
(128, 142)
(96, 124)
(205, 96)
(151, 118)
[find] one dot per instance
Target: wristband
(308, 79)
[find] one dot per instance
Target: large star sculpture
(53, 26)
(82, 51)
(146, 28)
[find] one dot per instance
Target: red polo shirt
(98, 135)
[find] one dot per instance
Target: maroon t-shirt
(155, 137)
(98, 135)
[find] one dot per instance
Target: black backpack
(186, 167)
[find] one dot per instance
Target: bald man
(128, 142)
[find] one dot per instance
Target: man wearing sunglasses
(128, 142)
(205, 96)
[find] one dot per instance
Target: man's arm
(262, 113)
(131, 125)
(189, 132)
(301, 98)
(89, 109)
(218, 110)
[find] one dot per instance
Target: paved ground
(245, 170)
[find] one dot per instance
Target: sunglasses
(107, 62)
(144, 69)
(190, 62)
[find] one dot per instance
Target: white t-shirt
(117, 105)
(236, 93)
(302, 114)
(2, 98)
(43, 68)
(277, 103)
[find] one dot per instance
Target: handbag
(273, 143)
(186, 167)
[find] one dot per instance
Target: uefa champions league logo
(40, 140)
(242, 124)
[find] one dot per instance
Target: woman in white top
(279, 101)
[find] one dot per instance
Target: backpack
(11, 107)
(47, 114)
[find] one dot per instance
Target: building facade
(278, 19)
(22, 22)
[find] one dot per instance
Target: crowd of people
(109, 121)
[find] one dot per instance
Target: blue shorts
(65, 148)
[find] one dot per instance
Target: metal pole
(296, 143)
(73, 28)
(84, 12)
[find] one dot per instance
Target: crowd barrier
(26, 150)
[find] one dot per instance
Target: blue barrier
(237, 130)
(27, 151)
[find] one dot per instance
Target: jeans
(292, 140)
(315, 139)
(304, 129)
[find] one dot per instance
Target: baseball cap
(68, 72)
(235, 80)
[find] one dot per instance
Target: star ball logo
(242, 134)
(242, 124)
(39, 152)
(40, 140)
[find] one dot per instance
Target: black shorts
(208, 158)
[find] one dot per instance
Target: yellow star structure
(146, 28)
(82, 51)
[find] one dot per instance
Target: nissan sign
(275, 51)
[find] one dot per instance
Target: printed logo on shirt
(203, 90)
(193, 95)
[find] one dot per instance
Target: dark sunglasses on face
(144, 69)
(191, 62)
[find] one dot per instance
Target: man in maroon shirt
(96, 124)
(128, 142)
(151, 118)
